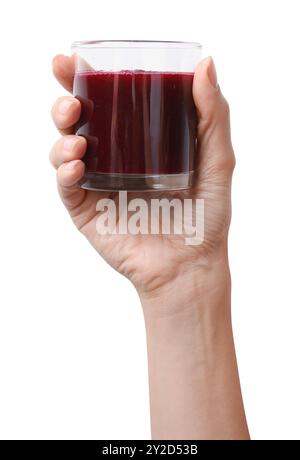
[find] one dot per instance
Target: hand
(153, 262)
(185, 290)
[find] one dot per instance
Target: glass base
(137, 182)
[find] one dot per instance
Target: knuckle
(228, 164)
(226, 108)
(64, 107)
(55, 151)
(57, 102)
(51, 156)
(231, 165)
(225, 165)
(54, 109)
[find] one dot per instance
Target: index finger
(63, 70)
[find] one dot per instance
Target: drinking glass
(138, 115)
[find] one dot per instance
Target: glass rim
(157, 44)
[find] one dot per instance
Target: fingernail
(64, 106)
(69, 143)
(212, 73)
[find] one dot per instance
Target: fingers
(63, 69)
(66, 149)
(66, 110)
(66, 156)
(65, 113)
(214, 121)
(68, 174)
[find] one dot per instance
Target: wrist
(197, 289)
(192, 314)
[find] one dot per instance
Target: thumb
(216, 154)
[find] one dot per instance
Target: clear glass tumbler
(138, 114)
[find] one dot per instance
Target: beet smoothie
(137, 122)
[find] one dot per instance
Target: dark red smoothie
(137, 122)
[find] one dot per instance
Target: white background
(72, 344)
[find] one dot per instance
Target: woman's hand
(185, 290)
(153, 262)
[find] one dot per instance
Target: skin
(184, 290)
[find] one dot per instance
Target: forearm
(193, 376)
